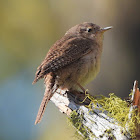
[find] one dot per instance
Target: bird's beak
(106, 28)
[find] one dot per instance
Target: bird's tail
(49, 91)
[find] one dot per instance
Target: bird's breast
(90, 67)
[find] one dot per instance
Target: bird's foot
(78, 97)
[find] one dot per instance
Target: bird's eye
(89, 29)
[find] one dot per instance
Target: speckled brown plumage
(63, 53)
(49, 82)
(72, 61)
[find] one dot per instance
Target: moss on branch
(115, 107)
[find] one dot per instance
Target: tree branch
(92, 123)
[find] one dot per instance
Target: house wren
(72, 62)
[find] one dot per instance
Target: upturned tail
(49, 91)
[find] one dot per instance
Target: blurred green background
(27, 30)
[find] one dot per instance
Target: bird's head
(88, 30)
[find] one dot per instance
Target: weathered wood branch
(95, 124)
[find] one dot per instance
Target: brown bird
(72, 62)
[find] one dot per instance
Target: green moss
(109, 134)
(76, 120)
(116, 108)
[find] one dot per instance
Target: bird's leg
(84, 90)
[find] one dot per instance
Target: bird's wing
(62, 54)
